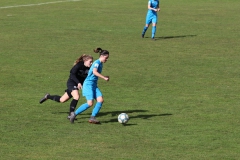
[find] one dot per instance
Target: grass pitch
(180, 91)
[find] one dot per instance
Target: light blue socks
(153, 31)
(85, 106)
(144, 30)
(96, 109)
(82, 108)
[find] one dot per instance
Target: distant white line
(38, 4)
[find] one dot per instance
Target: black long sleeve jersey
(79, 72)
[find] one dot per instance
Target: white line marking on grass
(38, 4)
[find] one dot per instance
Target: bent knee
(101, 101)
(90, 104)
(62, 100)
(76, 97)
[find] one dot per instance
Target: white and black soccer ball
(123, 118)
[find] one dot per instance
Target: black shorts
(71, 85)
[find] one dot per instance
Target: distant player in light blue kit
(90, 87)
(153, 8)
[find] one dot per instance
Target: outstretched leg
(48, 96)
(144, 30)
(55, 98)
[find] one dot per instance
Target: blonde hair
(83, 58)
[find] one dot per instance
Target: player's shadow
(114, 114)
(171, 37)
(140, 116)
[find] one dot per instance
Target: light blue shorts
(151, 19)
(91, 92)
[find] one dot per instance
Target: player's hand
(106, 78)
(79, 86)
(158, 9)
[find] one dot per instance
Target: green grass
(181, 91)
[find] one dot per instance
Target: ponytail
(101, 51)
(97, 50)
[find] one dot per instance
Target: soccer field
(181, 91)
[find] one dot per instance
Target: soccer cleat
(72, 117)
(68, 117)
(93, 120)
(142, 35)
(153, 39)
(44, 98)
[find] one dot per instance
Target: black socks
(54, 98)
(73, 105)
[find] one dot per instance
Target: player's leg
(51, 97)
(154, 27)
(73, 104)
(148, 22)
(153, 30)
(84, 106)
(89, 95)
(58, 98)
(80, 109)
(145, 30)
(65, 97)
(87, 92)
(72, 91)
(97, 107)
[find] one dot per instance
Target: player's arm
(158, 8)
(73, 75)
(96, 73)
(149, 7)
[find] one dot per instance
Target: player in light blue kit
(90, 87)
(153, 8)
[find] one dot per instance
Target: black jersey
(79, 72)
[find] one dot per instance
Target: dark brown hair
(101, 51)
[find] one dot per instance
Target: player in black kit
(78, 74)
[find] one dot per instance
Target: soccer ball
(123, 118)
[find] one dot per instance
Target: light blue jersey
(152, 15)
(153, 4)
(91, 78)
(90, 89)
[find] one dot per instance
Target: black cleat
(69, 116)
(142, 35)
(72, 117)
(44, 98)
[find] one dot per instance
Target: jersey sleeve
(149, 2)
(96, 65)
(74, 72)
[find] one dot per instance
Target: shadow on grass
(116, 113)
(113, 113)
(170, 37)
(140, 116)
